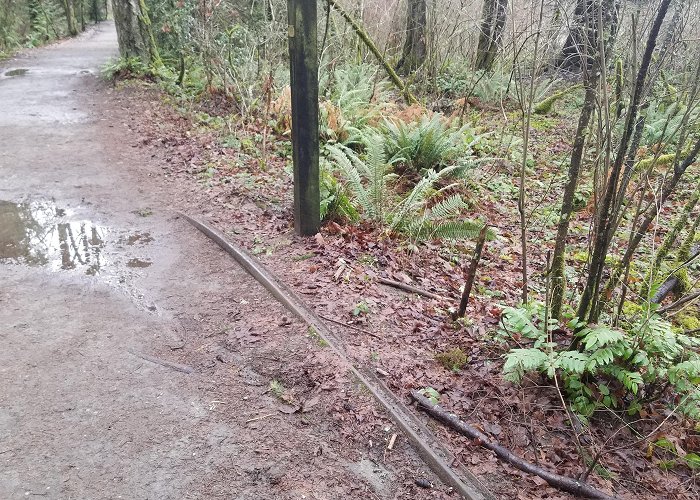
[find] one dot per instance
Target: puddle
(43, 234)
(138, 263)
(137, 238)
(17, 72)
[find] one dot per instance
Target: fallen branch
(471, 273)
(260, 418)
(168, 364)
(352, 327)
(680, 302)
(563, 483)
(672, 282)
(360, 31)
(410, 288)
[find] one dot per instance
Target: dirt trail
(107, 299)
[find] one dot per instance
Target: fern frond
(449, 230)
(600, 336)
(520, 361)
(572, 361)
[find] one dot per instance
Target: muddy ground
(138, 360)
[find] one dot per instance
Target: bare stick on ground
(410, 288)
(471, 273)
(564, 483)
(168, 364)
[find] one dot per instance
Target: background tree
(493, 21)
(69, 9)
(415, 47)
(583, 32)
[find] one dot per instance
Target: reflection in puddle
(17, 72)
(138, 263)
(41, 234)
(133, 239)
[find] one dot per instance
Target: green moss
(688, 321)
(542, 123)
(631, 309)
(581, 257)
(454, 359)
(545, 106)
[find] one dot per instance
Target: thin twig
(352, 327)
(260, 417)
(410, 288)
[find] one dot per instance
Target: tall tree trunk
(71, 23)
(134, 31)
(493, 21)
(583, 33)
(81, 13)
(415, 47)
(606, 218)
(95, 11)
(567, 204)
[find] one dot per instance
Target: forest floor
(236, 176)
(138, 360)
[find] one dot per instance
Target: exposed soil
(221, 173)
(138, 360)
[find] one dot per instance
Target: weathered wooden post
(303, 55)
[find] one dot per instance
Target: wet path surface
(105, 294)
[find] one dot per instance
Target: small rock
(423, 483)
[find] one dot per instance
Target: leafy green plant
(430, 143)
(355, 98)
(431, 394)
(611, 367)
(360, 309)
(426, 212)
(335, 202)
(277, 389)
(124, 67)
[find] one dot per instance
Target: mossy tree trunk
(134, 31)
(71, 23)
(414, 48)
(493, 22)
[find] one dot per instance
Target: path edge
(423, 440)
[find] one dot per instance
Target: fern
(519, 319)
(520, 361)
(573, 362)
(421, 214)
(428, 144)
(356, 98)
(635, 362)
(600, 336)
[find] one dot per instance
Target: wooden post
(303, 55)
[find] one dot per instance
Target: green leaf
(431, 394)
(519, 361)
(692, 460)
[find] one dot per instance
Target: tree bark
(134, 31)
(605, 220)
(583, 33)
(415, 47)
(567, 204)
(493, 21)
(71, 23)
